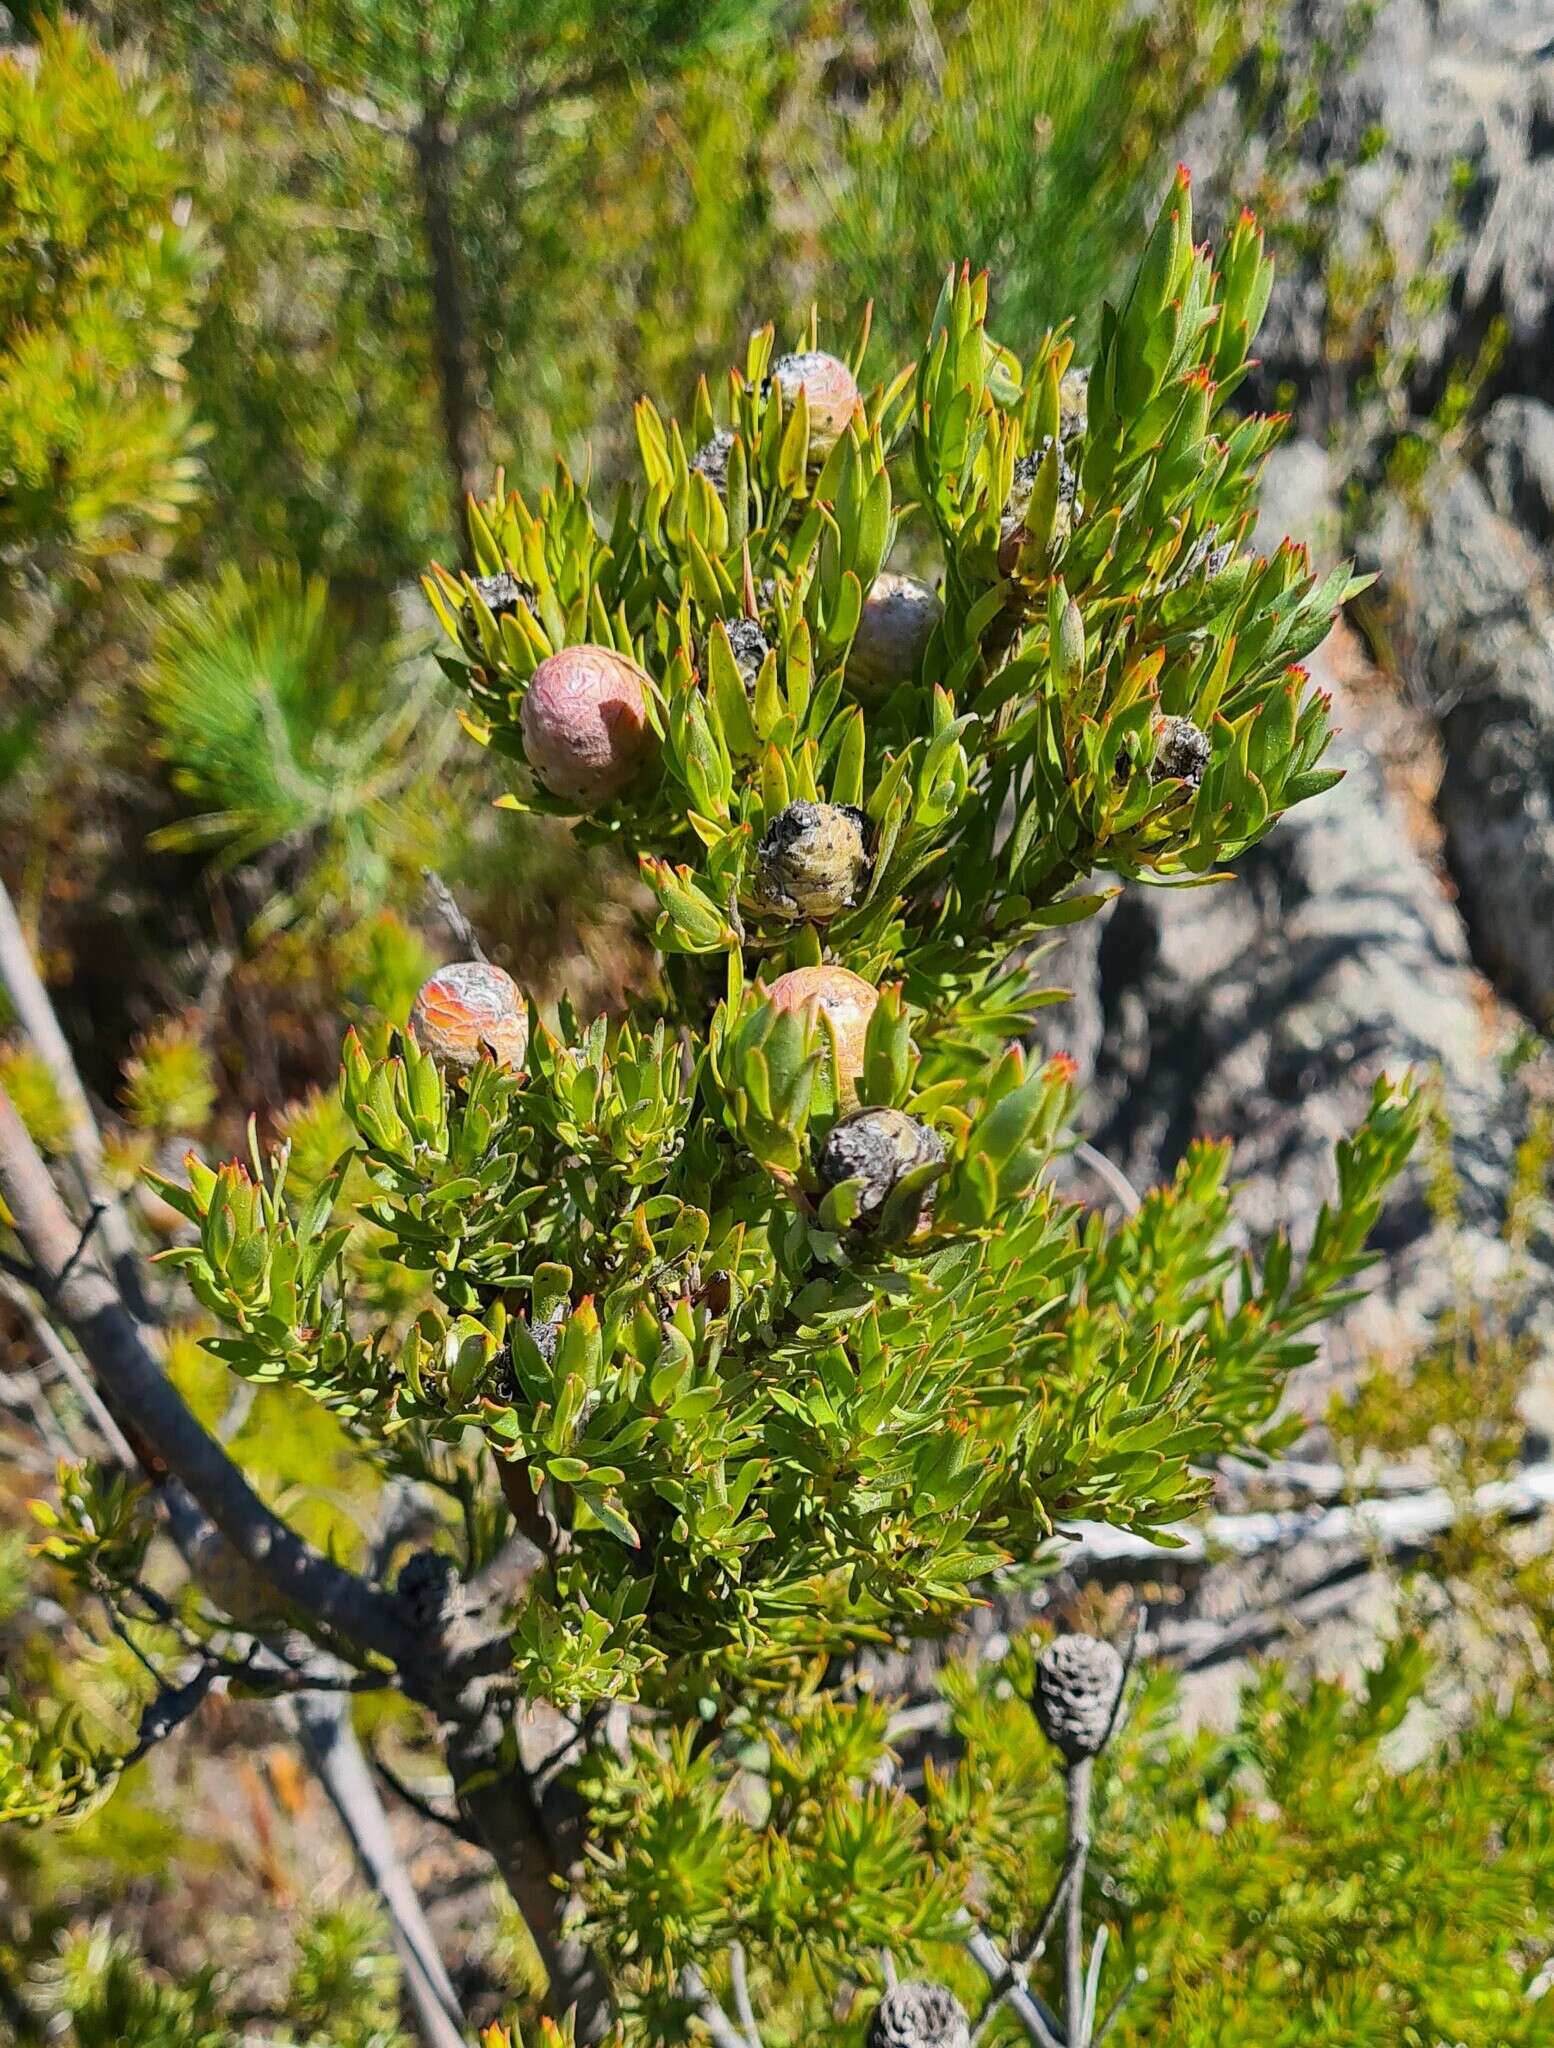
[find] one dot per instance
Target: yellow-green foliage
(97, 292)
(1028, 142)
(25, 1076)
(169, 1083)
(1291, 1881)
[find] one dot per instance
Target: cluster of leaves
(1025, 118)
(1294, 1878)
(283, 740)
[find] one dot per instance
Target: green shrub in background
(98, 291)
(1027, 140)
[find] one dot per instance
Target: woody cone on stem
(750, 1327)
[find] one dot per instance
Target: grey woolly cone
(1078, 1679)
(919, 2015)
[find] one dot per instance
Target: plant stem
(36, 1014)
(1080, 1784)
(432, 145)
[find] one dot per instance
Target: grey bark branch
(694, 1990)
(36, 1015)
(1042, 2026)
(148, 1407)
(1395, 1523)
(1080, 1783)
(433, 143)
(323, 1726)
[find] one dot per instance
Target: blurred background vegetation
(279, 283)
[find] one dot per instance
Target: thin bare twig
(69, 1367)
(1020, 1960)
(36, 1014)
(323, 1725)
(1079, 1786)
(451, 912)
(1105, 1169)
(448, 1818)
(696, 1992)
(1119, 2004)
(739, 1981)
(1042, 2026)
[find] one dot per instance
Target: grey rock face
(1516, 459)
(1473, 623)
(1448, 83)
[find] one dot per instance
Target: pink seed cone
(468, 1010)
(584, 720)
(847, 999)
(830, 390)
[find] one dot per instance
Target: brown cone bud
(831, 391)
(1078, 1679)
(585, 723)
(919, 2015)
(812, 862)
(502, 593)
(469, 1010)
(877, 1146)
(1012, 533)
(898, 621)
(711, 459)
(1182, 752)
(750, 648)
(847, 1000)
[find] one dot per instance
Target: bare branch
(739, 1979)
(1394, 1523)
(36, 1015)
(323, 1725)
(451, 912)
(1079, 1782)
(695, 1991)
(149, 1408)
(1042, 2026)
(69, 1367)
(1106, 1170)
(418, 1803)
(1119, 2004)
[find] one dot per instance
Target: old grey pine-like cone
(1078, 1679)
(919, 2015)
